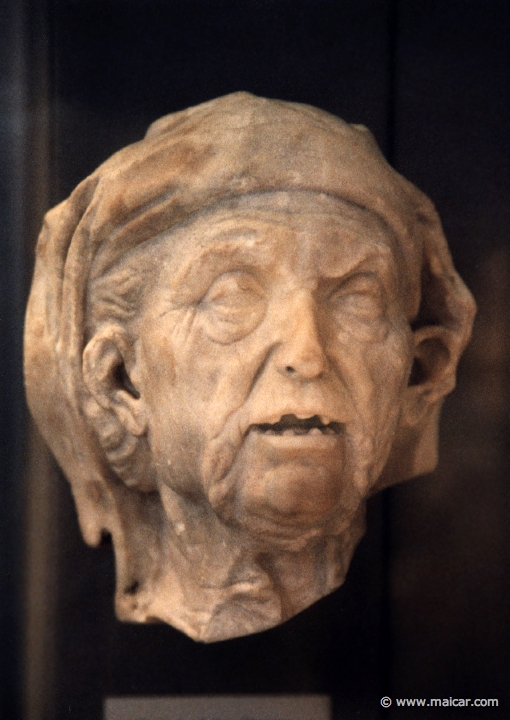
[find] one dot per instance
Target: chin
(287, 491)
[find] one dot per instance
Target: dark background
(425, 609)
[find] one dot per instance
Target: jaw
(277, 533)
(284, 489)
(263, 564)
(242, 590)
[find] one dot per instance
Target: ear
(432, 374)
(415, 448)
(115, 408)
(108, 362)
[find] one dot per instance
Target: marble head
(239, 329)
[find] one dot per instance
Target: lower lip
(312, 441)
(298, 444)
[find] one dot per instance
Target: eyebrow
(377, 255)
(236, 246)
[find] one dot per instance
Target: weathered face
(273, 354)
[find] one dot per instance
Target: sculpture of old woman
(239, 329)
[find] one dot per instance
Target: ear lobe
(107, 361)
(432, 375)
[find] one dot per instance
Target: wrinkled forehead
(259, 223)
(324, 233)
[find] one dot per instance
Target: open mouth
(289, 425)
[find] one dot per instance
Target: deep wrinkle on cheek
(219, 395)
(358, 366)
(246, 361)
(163, 340)
(395, 356)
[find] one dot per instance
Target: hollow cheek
(156, 363)
(375, 375)
(157, 390)
(168, 392)
(162, 338)
(389, 365)
(200, 385)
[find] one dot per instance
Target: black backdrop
(425, 609)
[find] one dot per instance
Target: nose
(300, 354)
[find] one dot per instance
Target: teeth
(293, 426)
(294, 432)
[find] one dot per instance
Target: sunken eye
(232, 307)
(358, 306)
(360, 296)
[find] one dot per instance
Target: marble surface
(239, 329)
